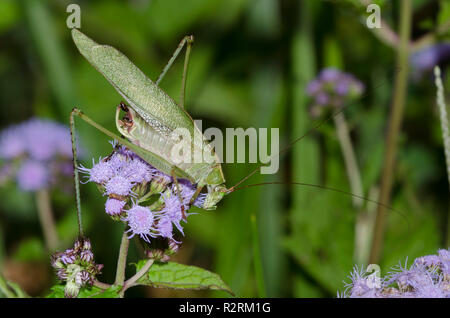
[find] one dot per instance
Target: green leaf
(179, 276)
(31, 249)
(57, 291)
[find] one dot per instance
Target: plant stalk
(395, 121)
(5, 289)
(259, 273)
(351, 164)
(122, 262)
(354, 177)
(46, 219)
(101, 285)
(131, 282)
(445, 134)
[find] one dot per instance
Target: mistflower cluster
(148, 200)
(76, 267)
(37, 153)
(331, 89)
(424, 60)
(427, 277)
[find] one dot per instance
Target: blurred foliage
(250, 64)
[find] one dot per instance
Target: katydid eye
(123, 106)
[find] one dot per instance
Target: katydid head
(214, 196)
(130, 123)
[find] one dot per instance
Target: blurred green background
(250, 64)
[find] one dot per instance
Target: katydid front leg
(75, 172)
(177, 186)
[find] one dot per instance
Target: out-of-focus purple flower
(11, 143)
(32, 175)
(332, 88)
(329, 75)
(424, 60)
(313, 87)
(322, 98)
(38, 138)
(425, 278)
(43, 150)
(140, 220)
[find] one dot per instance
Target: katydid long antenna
(292, 143)
(327, 189)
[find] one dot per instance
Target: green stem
(101, 285)
(354, 178)
(131, 282)
(350, 161)
(5, 289)
(46, 219)
(259, 274)
(395, 121)
(122, 262)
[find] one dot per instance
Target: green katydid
(150, 119)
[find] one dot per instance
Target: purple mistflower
(114, 206)
(68, 257)
(362, 285)
(42, 149)
(444, 255)
(425, 59)
(11, 143)
(332, 88)
(313, 87)
(329, 75)
(172, 209)
(414, 277)
(322, 98)
(140, 220)
(164, 227)
(429, 261)
(425, 278)
(40, 139)
(118, 185)
(32, 175)
(76, 267)
(138, 171)
(87, 255)
(187, 191)
(100, 173)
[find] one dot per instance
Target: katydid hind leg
(187, 40)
